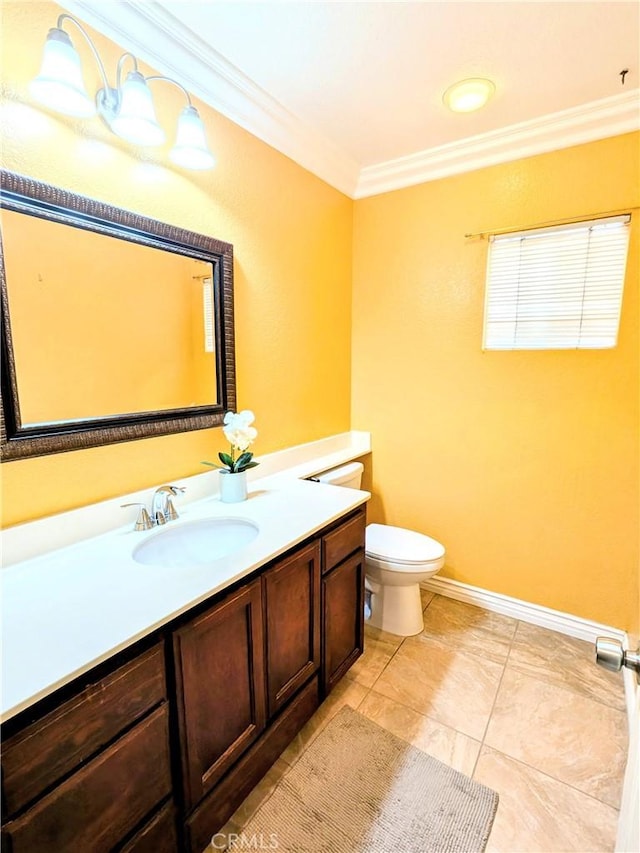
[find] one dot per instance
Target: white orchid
(238, 430)
(240, 434)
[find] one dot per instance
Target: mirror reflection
(105, 327)
(114, 326)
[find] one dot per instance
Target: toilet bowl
(397, 560)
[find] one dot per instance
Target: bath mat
(360, 789)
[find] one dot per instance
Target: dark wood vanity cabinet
(98, 771)
(343, 630)
(291, 591)
(312, 630)
(93, 772)
(237, 666)
(343, 570)
(219, 663)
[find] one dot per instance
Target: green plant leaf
(247, 465)
(226, 460)
(211, 464)
(242, 460)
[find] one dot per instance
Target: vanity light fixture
(468, 95)
(127, 109)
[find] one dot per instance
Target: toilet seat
(407, 549)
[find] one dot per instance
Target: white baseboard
(555, 620)
(584, 629)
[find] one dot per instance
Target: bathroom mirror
(114, 326)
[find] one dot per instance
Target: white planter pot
(233, 487)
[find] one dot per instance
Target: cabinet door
(219, 661)
(342, 618)
(292, 607)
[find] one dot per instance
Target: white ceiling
(353, 90)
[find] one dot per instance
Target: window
(558, 287)
(207, 298)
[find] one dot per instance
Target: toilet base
(397, 609)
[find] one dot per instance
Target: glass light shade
(468, 95)
(191, 150)
(59, 85)
(135, 118)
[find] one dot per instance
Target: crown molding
(160, 39)
(596, 120)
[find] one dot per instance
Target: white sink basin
(195, 543)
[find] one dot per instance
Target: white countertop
(67, 610)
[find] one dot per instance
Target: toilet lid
(396, 544)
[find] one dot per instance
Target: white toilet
(397, 561)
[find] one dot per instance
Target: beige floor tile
(377, 654)
(440, 741)
(347, 692)
(574, 739)
(464, 627)
(452, 688)
(566, 662)
(541, 815)
(379, 634)
(260, 793)
(426, 597)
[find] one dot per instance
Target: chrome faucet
(162, 508)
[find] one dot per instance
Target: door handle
(611, 655)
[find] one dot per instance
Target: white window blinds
(558, 287)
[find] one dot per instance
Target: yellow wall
(53, 296)
(524, 464)
(292, 240)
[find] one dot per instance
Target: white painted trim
(159, 38)
(555, 620)
(628, 836)
(596, 120)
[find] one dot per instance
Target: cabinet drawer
(158, 835)
(96, 807)
(342, 541)
(52, 747)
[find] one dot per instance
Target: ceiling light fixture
(127, 109)
(468, 95)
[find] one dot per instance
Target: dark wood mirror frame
(18, 441)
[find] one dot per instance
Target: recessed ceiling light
(468, 95)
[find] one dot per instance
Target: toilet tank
(348, 476)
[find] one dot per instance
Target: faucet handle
(172, 490)
(143, 522)
(171, 513)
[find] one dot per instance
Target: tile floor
(521, 709)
